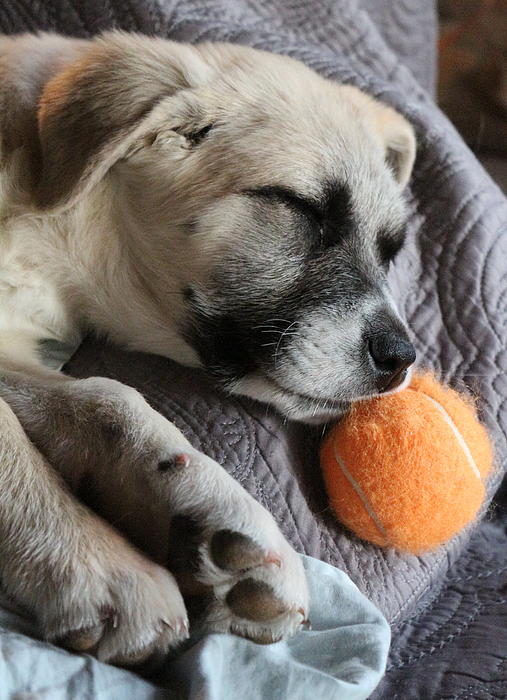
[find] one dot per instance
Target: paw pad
(255, 600)
(233, 551)
(83, 639)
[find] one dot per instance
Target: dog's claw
(182, 626)
(179, 626)
(305, 622)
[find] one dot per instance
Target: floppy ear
(394, 131)
(91, 113)
(400, 144)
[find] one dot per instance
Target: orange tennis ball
(408, 470)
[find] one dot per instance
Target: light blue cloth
(343, 657)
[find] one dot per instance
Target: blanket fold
(342, 657)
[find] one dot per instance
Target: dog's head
(263, 201)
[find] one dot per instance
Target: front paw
(127, 612)
(227, 551)
(259, 590)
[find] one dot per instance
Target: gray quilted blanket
(451, 282)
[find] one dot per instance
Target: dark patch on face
(338, 222)
(253, 333)
(311, 257)
(389, 243)
(223, 342)
(330, 217)
(311, 209)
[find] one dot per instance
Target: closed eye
(331, 217)
(305, 206)
(194, 138)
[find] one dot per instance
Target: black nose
(392, 354)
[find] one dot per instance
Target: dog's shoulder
(33, 323)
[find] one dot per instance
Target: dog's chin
(299, 406)
(292, 404)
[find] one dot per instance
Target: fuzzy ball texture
(408, 470)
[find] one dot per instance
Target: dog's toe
(262, 637)
(84, 640)
(255, 600)
(149, 657)
(234, 551)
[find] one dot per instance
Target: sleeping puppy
(224, 207)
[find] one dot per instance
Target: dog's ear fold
(400, 144)
(396, 134)
(91, 113)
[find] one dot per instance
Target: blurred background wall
(472, 85)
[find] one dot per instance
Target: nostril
(391, 353)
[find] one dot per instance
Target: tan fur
(394, 132)
(99, 185)
(56, 91)
(64, 561)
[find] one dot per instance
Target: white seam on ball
(361, 494)
(459, 437)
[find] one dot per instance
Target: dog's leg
(89, 588)
(144, 476)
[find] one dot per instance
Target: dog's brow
(333, 211)
(308, 206)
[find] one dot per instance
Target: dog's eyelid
(308, 208)
(195, 137)
(289, 196)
